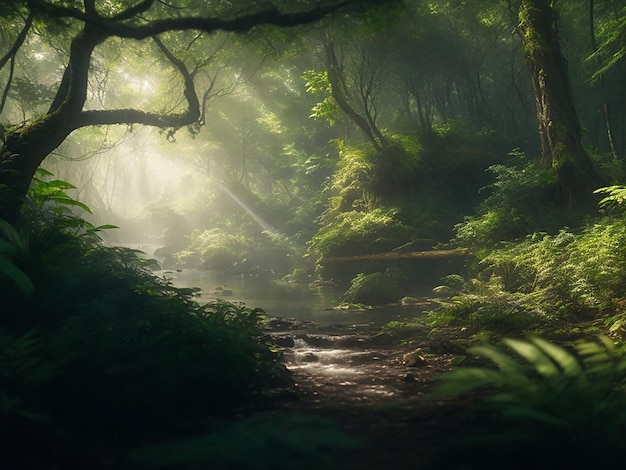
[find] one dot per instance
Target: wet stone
(309, 357)
(283, 341)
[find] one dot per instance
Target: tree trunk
(559, 127)
(26, 147)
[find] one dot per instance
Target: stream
(334, 355)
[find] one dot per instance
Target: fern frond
(535, 356)
(565, 360)
(465, 379)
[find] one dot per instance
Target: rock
(409, 377)
(283, 341)
(366, 358)
(309, 357)
(410, 301)
(414, 359)
(372, 289)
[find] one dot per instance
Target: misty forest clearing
(353, 234)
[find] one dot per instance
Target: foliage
(278, 442)
(493, 311)
(214, 249)
(354, 232)
(517, 204)
(565, 272)
(611, 49)
(217, 249)
(615, 199)
(99, 346)
(558, 404)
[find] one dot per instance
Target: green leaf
(502, 360)
(16, 275)
(105, 227)
(566, 361)
(535, 356)
(464, 379)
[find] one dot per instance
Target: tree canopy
(81, 33)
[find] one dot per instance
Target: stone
(414, 359)
(309, 357)
(283, 341)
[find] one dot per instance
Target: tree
(88, 24)
(559, 127)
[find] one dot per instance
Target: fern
(615, 199)
(547, 399)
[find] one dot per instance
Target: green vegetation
(558, 403)
(372, 289)
(94, 347)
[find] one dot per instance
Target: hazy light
(264, 225)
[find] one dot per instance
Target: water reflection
(281, 299)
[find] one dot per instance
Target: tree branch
(134, 116)
(269, 15)
(131, 12)
(21, 37)
(10, 56)
(338, 93)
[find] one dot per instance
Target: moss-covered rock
(372, 289)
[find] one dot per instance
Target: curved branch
(10, 57)
(141, 7)
(21, 37)
(269, 15)
(135, 116)
(338, 93)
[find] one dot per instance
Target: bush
(93, 345)
(519, 202)
(566, 272)
(353, 233)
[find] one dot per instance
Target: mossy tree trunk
(559, 127)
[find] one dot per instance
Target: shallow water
(289, 300)
(327, 358)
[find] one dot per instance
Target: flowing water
(332, 353)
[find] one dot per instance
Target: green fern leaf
(567, 362)
(535, 356)
(464, 379)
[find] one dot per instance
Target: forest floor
(375, 386)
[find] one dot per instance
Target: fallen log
(395, 255)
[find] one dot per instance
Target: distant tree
(560, 131)
(85, 25)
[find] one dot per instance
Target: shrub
(566, 272)
(352, 233)
(94, 345)
(519, 202)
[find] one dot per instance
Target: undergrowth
(95, 348)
